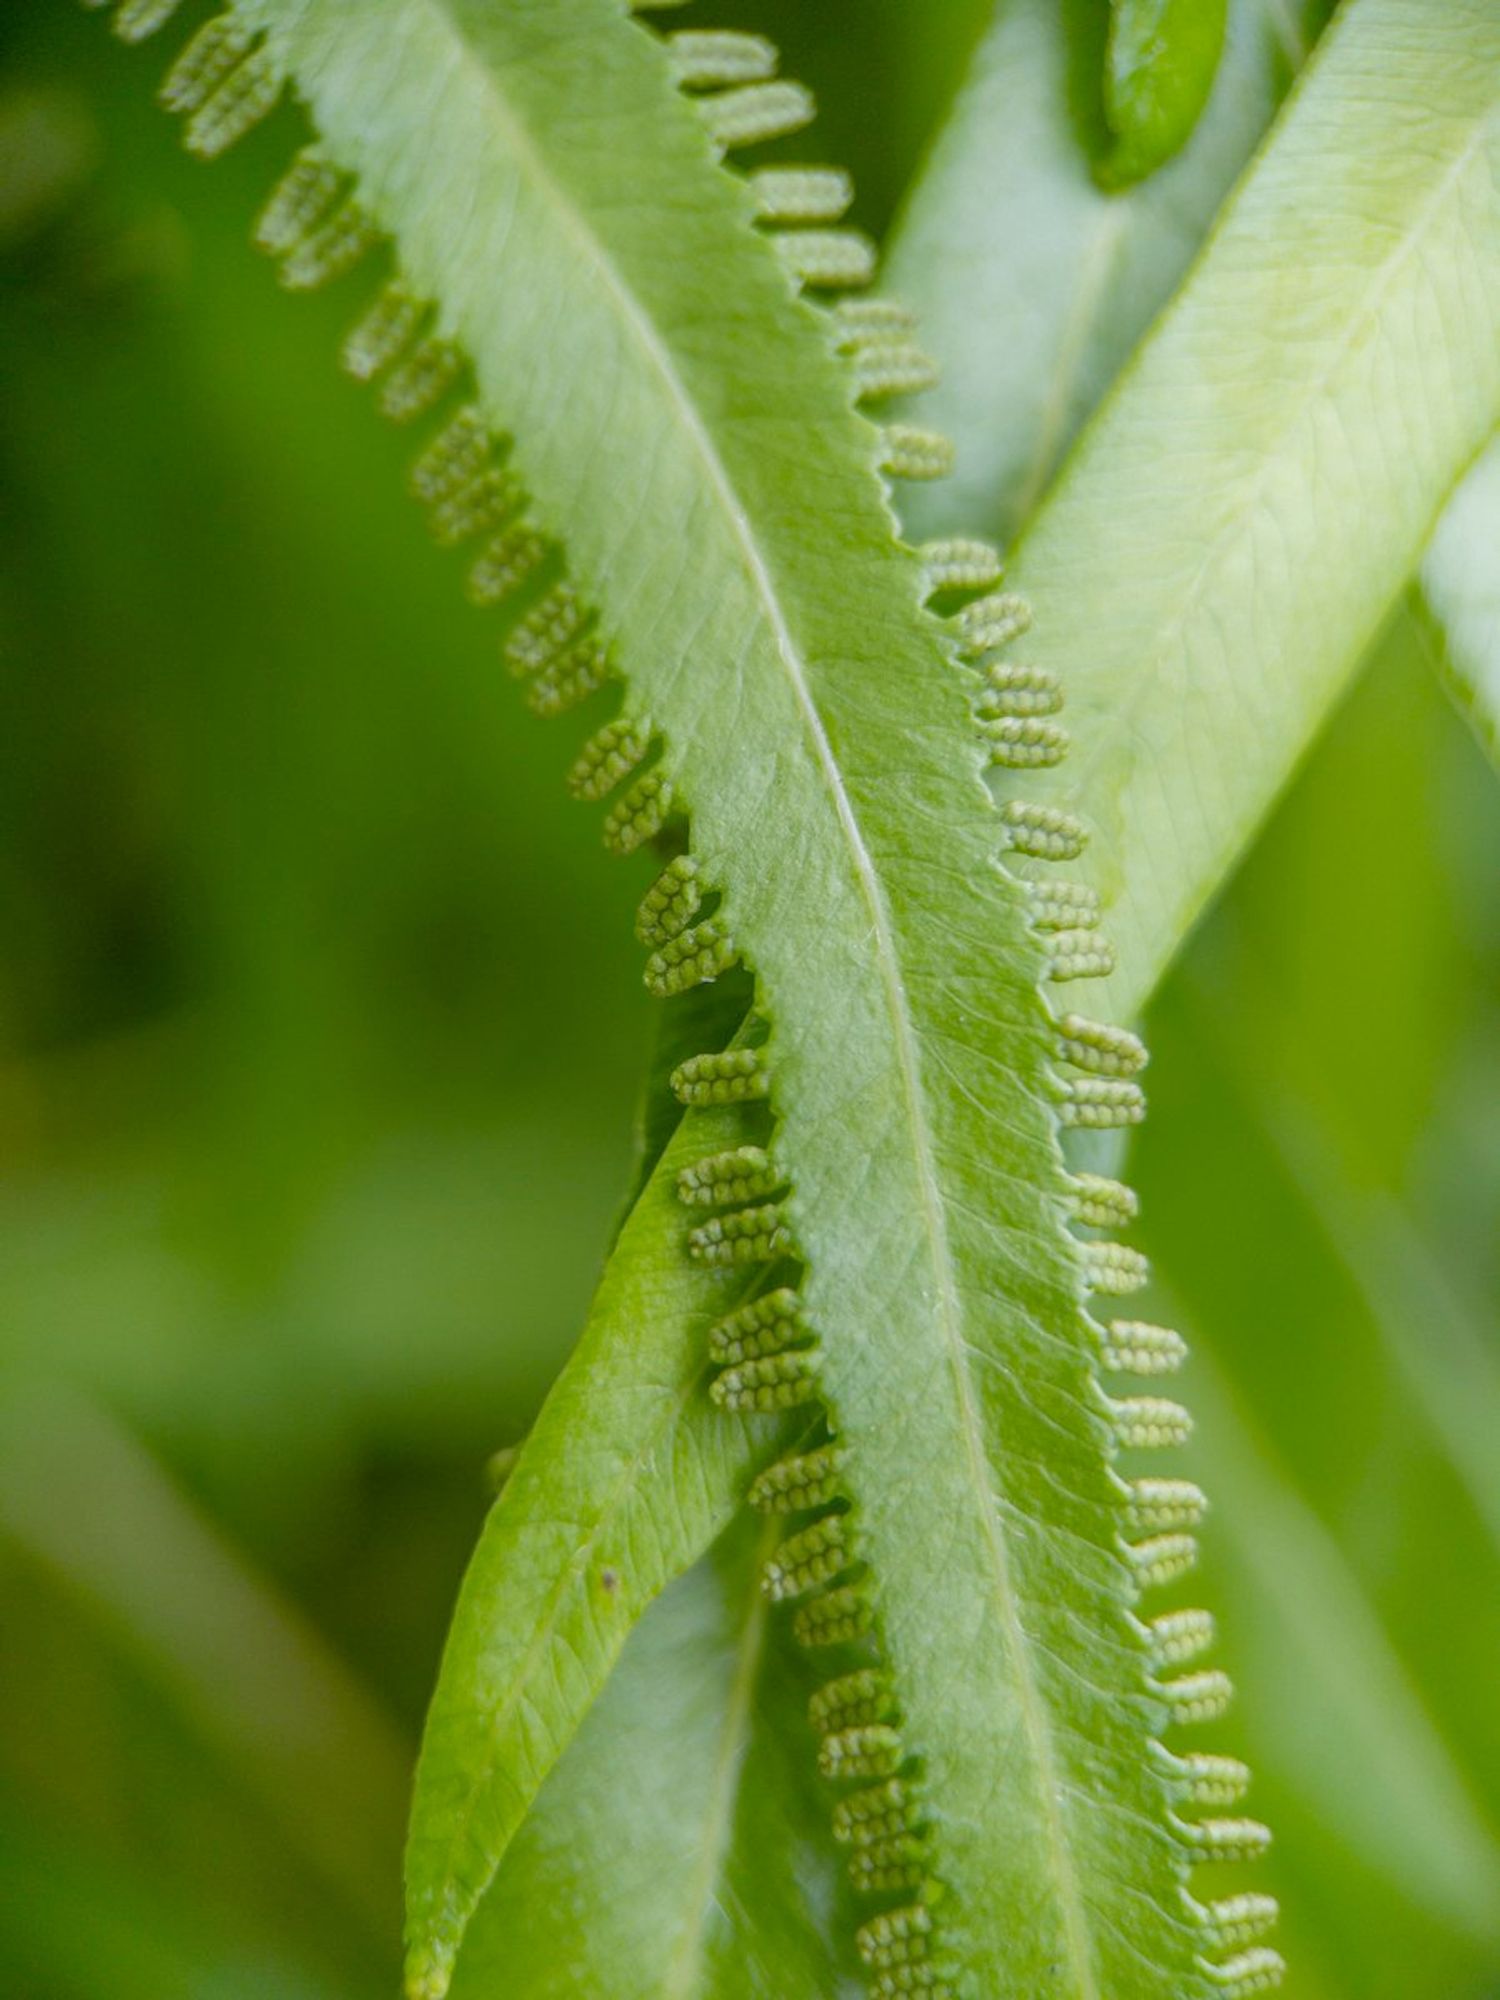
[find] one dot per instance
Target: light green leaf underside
(629, 1473)
(1461, 582)
(1032, 284)
(1233, 527)
(672, 1851)
(1121, 925)
(717, 499)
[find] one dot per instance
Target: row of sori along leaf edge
(765, 1355)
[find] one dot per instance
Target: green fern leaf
(1214, 560)
(816, 725)
(680, 1821)
(1033, 284)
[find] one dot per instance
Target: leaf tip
(428, 1977)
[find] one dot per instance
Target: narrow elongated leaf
(627, 1476)
(670, 1851)
(1235, 525)
(1032, 284)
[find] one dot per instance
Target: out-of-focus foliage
(1461, 582)
(320, 1029)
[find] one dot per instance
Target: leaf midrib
(687, 1956)
(659, 359)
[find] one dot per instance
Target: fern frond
(796, 715)
(1233, 527)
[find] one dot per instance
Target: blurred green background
(320, 1031)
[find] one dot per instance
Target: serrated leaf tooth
(881, 1812)
(641, 813)
(991, 622)
(421, 379)
(1012, 687)
(386, 327)
(892, 368)
(136, 19)
(570, 678)
(1044, 832)
(1136, 1347)
(835, 259)
(1147, 1423)
(1179, 1636)
(1162, 1559)
(755, 112)
(1161, 1504)
(766, 1325)
(925, 1979)
(548, 629)
(735, 1076)
(774, 1382)
(1199, 1697)
(801, 194)
(741, 1175)
(857, 321)
(250, 93)
(907, 451)
(895, 1937)
(609, 757)
(458, 455)
(208, 58)
(478, 507)
(671, 903)
(1023, 742)
(330, 250)
(1098, 1103)
(506, 561)
(696, 958)
(747, 1236)
(959, 563)
(1113, 1269)
(1099, 1047)
(808, 1560)
(1255, 1971)
(300, 202)
(427, 1983)
(863, 1751)
(1211, 1779)
(706, 57)
(803, 1480)
(1102, 1203)
(1062, 906)
(867, 1695)
(835, 1618)
(888, 1867)
(1234, 1921)
(1228, 1839)
(1080, 955)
